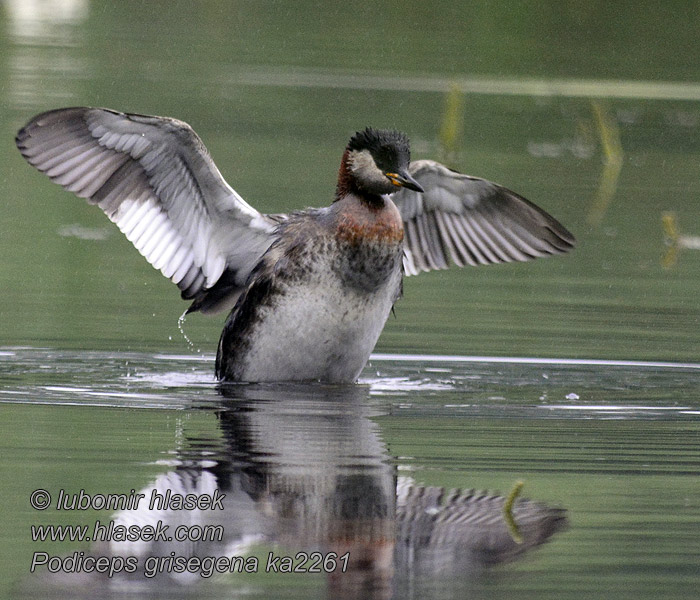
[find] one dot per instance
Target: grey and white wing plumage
(472, 222)
(457, 529)
(154, 178)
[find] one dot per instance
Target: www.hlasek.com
(150, 566)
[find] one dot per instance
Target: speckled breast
(370, 245)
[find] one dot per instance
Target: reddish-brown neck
(347, 184)
(346, 181)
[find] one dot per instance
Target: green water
(589, 110)
(615, 446)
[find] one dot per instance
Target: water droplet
(180, 323)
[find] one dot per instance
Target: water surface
(608, 451)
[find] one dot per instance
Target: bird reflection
(304, 469)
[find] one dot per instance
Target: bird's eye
(384, 158)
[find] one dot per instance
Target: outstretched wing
(472, 222)
(154, 178)
(467, 529)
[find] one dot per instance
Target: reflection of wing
(471, 221)
(441, 530)
(154, 178)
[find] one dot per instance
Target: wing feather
(446, 235)
(471, 240)
(472, 221)
(153, 177)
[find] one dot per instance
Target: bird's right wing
(154, 178)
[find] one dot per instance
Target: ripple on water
(522, 387)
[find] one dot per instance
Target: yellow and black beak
(403, 179)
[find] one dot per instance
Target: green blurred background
(573, 110)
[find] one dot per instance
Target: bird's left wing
(472, 222)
